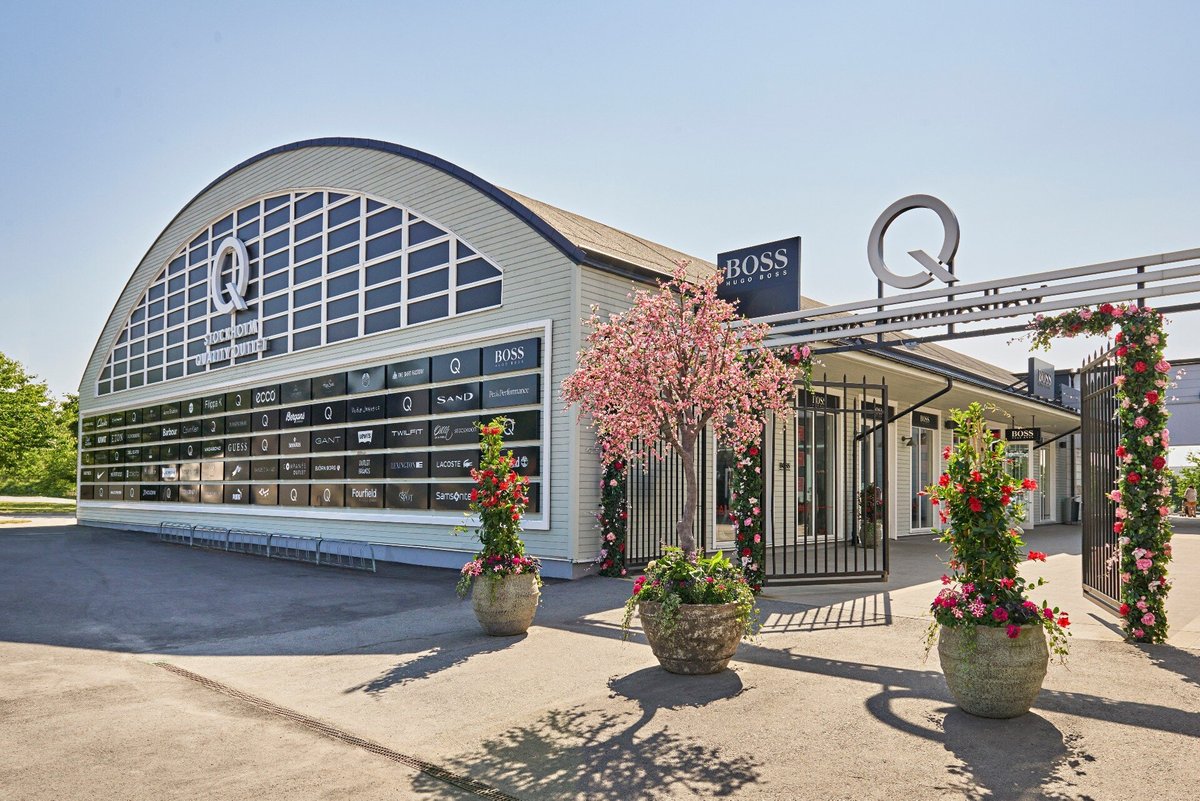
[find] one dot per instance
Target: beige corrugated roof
(608, 243)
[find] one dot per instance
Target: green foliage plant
(976, 497)
(674, 580)
(499, 499)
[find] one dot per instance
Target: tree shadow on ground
(583, 752)
(1177, 660)
(447, 651)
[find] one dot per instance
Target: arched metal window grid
(325, 266)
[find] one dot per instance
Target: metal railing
(293, 547)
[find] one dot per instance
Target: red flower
(1133, 478)
(1151, 397)
(1005, 500)
(745, 552)
(975, 504)
(1064, 621)
(976, 476)
(1119, 336)
(1007, 583)
(1118, 527)
(753, 450)
(1037, 556)
(1107, 308)
(944, 480)
(1121, 451)
(1013, 631)
(1159, 463)
(1122, 351)
(999, 614)
(1124, 610)
(1028, 484)
(1139, 367)
(946, 452)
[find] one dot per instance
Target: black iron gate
(655, 504)
(829, 485)
(1100, 434)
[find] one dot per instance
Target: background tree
(37, 435)
(678, 361)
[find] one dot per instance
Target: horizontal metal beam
(817, 331)
(1027, 298)
(1000, 283)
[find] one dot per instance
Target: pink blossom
(1119, 381)
(1144, 564)
(1115, 495)
(1139, 633)
(1152, 339)
(1162, 366)
(1013, 631)
(1085, 313)
(758, 538)
(1148, 619)
(1122, 513)
(1125, 578)
(1163, 511)
(1140, 422)
(1118, 312)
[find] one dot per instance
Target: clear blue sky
(1061, 133)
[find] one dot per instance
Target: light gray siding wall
(538, 286)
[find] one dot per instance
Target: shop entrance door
(1019, 459)
(828, 512)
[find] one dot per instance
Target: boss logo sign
(510, 356)
(764, 279)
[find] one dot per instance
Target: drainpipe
(923, 402)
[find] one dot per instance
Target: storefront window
(816, 472)
(723, 528)
(924, 462)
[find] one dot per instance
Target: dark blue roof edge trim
(549, 233)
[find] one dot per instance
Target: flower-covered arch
(1142, 489)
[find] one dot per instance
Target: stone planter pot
(703, 640)
(991, 675)
(870, 534)
(505, 605)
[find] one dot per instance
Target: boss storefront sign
(397, 436)
(763, 279)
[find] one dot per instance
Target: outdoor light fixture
(906, 441)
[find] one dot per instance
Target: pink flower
(758, 538)
(999, 614)
(1119, 381)
(1013, 631)
(1140, 422)
(1148, 619)
(1115, 495)
(1121, 513)
(1144, 564)
(1163, 511)
(945, 579)
(1162, 366)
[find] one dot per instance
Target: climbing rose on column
(1141, 381)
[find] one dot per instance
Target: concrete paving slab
(833, 701)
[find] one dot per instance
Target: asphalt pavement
(136, 669)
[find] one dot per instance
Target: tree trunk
(691, 496)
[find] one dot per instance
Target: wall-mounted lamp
(906, 442)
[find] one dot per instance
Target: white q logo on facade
(941, 268)
(236, 288)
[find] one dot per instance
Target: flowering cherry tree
(1142, 492)
(677, 362)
